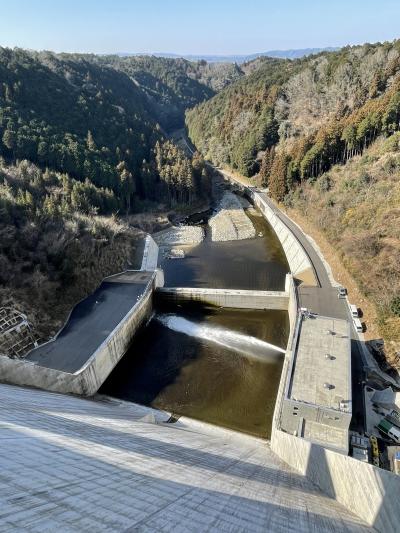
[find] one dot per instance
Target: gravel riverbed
(230, 222)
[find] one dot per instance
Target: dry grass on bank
(65, 262)
(356, 208)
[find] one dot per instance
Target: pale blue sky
(197, 27)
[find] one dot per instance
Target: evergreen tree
(278, 176)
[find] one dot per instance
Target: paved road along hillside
(324, 301)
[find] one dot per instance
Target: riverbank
(176, 241)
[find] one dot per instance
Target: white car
(342, 292)
(354, 311)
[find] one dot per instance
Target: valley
(199, 266)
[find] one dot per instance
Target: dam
(146, 468)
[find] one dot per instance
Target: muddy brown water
(258, 263)
(207, 363)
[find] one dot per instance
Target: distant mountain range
(284, 54)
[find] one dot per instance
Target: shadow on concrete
(358, 379)
(118, 491)
(381, 484)
(72, 427)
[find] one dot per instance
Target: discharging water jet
(245, 344)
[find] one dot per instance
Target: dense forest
(323, 133)
(173, 85)
(79, 116)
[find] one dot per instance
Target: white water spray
(245, 344)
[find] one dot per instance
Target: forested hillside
(54, 248)
(356, 206)
(312, 112)
(174, 85)
(323, 134)
(92, 122)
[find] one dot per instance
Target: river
(217, 365)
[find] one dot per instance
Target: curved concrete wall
(93, 374)
(299, 262)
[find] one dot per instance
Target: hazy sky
(194, 26)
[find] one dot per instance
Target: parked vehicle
(354, 311)
(342, 292)
(396, 463)
(388, 429)
(360, 448)
(358, 325)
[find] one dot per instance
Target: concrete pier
(150, 255)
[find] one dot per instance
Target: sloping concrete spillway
(75, 465)
(99, 313)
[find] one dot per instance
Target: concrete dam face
(85, 466)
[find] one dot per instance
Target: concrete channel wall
(290, 289)
(87, 380)
(299, 262)
(239, 299)
(369, 492)
(150, 255)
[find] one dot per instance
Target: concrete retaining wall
(93, 374)
(299, 262)
(150, 255)
(239, 299)
(369, 492)
(293, 325)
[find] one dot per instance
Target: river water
(217, 365)
(258, 263)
